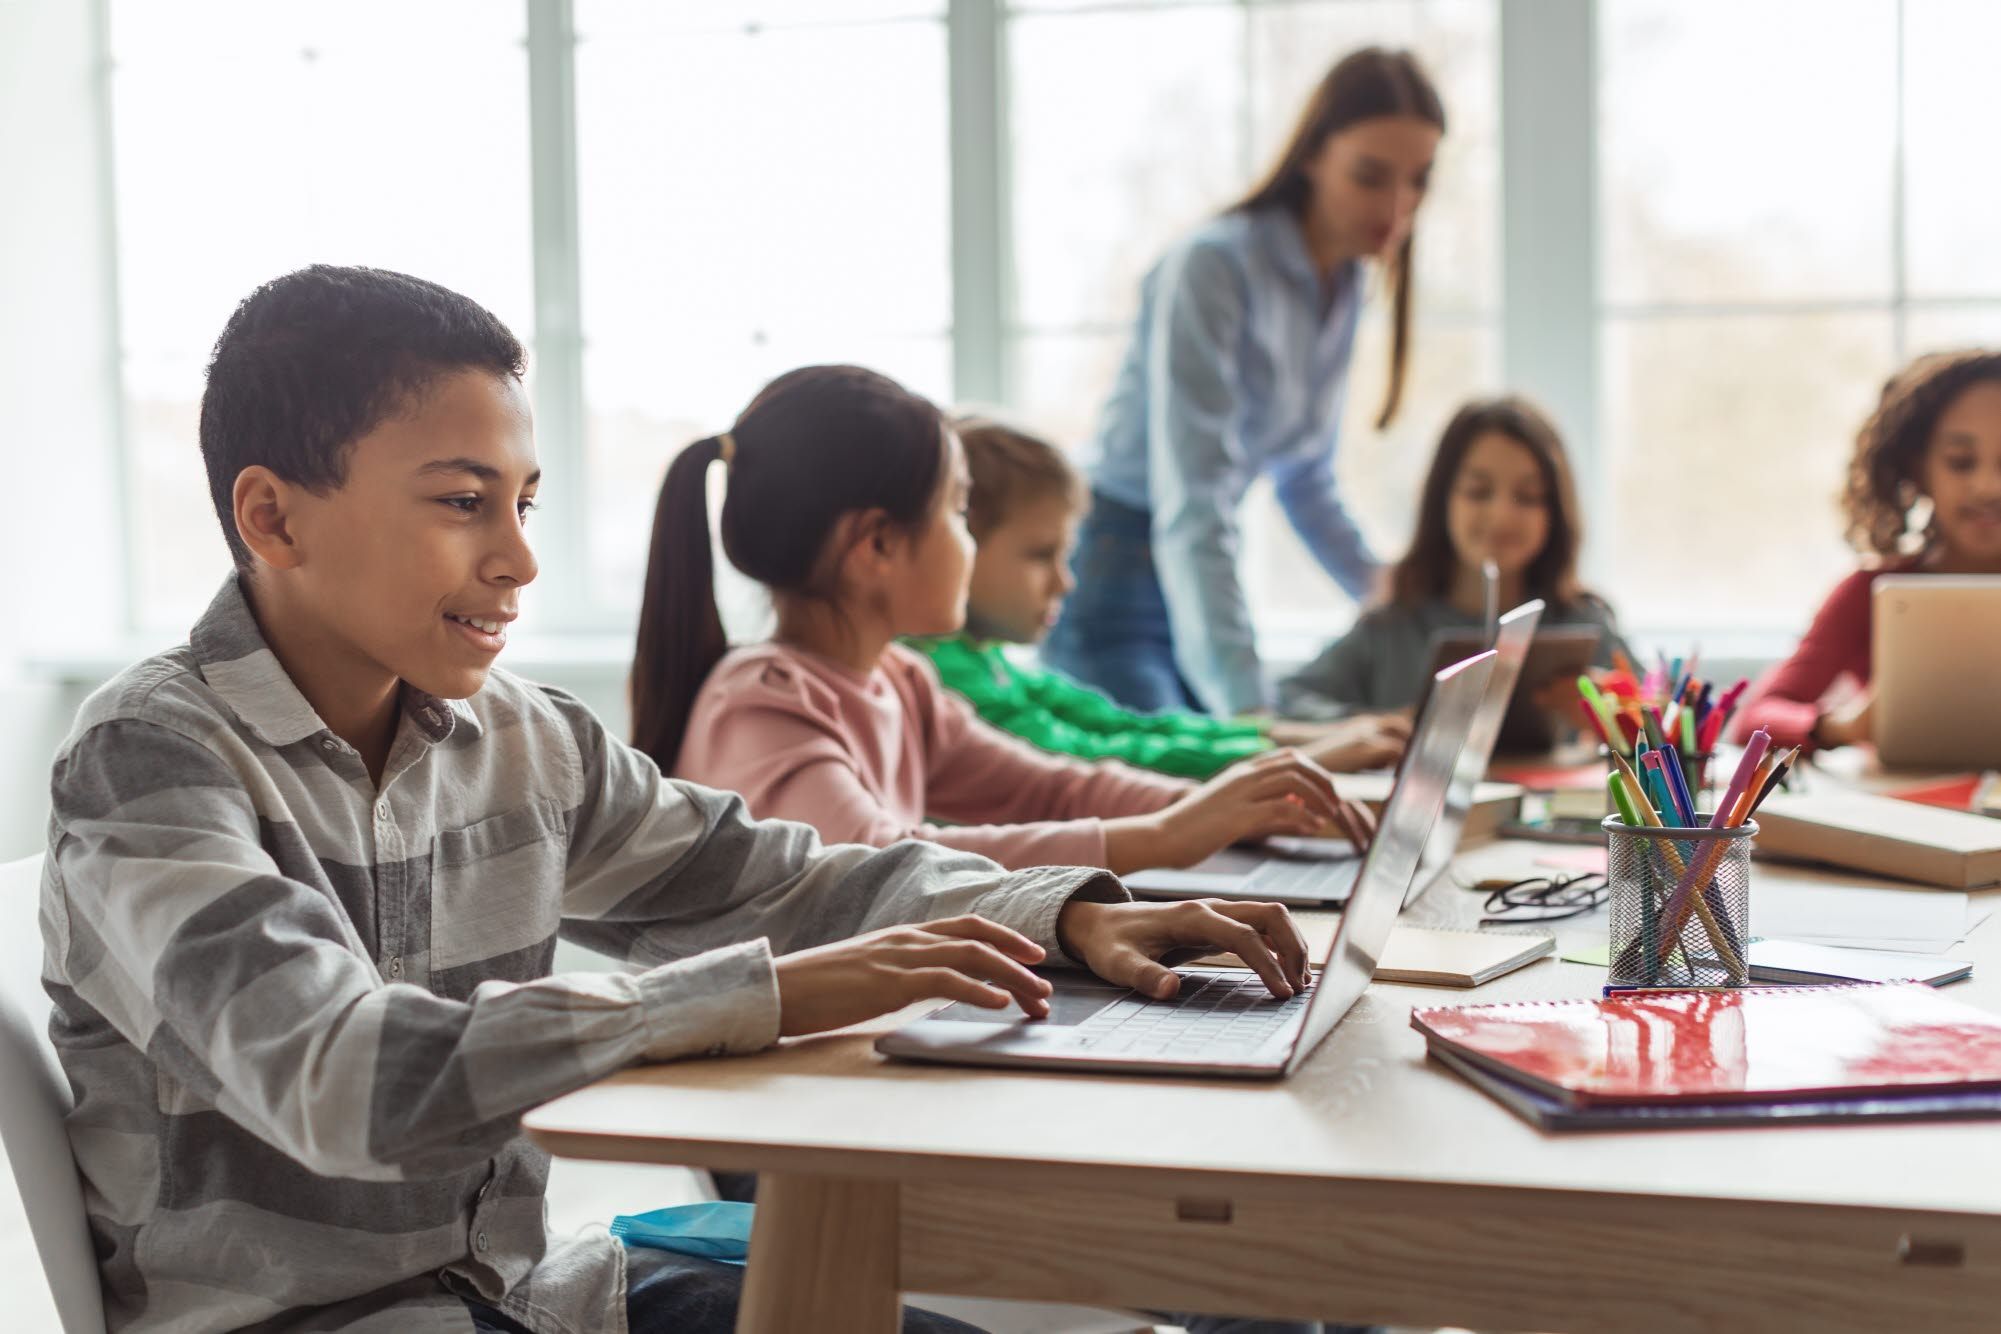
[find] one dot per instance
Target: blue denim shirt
(1238, 368)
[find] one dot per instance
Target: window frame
(1549, 246)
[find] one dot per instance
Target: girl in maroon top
(1924, 496)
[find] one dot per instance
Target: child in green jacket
(1025, 504)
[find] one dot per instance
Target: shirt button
(396, 965)
(328, 743)
(382, 811)
(480, 1240)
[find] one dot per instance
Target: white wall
(58, 351)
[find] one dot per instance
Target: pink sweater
(876, 758)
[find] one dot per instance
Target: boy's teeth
(490, 627)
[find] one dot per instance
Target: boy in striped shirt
(306, 873)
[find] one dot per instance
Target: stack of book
(1752, 1056)
(1954, 849)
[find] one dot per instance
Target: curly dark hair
(1883, 475)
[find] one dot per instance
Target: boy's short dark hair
(1009, 467)
(311, 362)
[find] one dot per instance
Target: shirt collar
(1279, 233)
(240, 667)
(1282, 238)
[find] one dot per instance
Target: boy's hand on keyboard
(954, 958)
(1278, 792)
(1125, 942)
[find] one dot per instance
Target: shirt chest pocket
(497, 897)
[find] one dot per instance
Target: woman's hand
(955, 958)
(1278, 792)
(1126, 942)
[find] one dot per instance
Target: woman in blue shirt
(1238, 368)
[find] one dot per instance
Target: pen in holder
(1681, 904)
(1696, 768)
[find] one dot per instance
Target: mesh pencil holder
(1681, 905)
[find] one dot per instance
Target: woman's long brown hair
(1427, 569)
(1363, 85)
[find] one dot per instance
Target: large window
(252, 138)
(753, 196)
(1207, 94)
(1772, 248)
(673, 202)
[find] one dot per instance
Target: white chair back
(34, 1099)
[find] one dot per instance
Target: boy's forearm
(306, 1046)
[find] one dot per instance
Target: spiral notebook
(1759, 1044)
(1544, 1112)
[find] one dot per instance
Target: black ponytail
(815, 443)
(680, 628)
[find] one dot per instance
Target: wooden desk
(1373, 1186)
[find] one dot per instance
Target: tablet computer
(1559, 653)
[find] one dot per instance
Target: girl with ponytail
(846, 499)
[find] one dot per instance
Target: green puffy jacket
(1050, 710)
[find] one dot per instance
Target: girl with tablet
(1500, 491)
(1923, 497)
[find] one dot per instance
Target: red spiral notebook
(1760, 1044)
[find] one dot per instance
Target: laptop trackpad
(1073, 1003)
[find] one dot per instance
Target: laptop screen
(1391, 864)
(1511, 649)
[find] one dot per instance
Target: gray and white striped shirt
(303, 1016)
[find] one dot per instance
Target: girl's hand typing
(955, 958)
(1848, 725)
(1278, 792)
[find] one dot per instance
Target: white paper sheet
(1914, 921)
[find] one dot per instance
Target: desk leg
(823, 1256)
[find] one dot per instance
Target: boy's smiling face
(412, 569)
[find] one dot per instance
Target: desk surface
(1367, 1107)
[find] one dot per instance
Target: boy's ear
(262, 504)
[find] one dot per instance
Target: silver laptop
(1513, 637)
(1935, 643)
(1311, 871)
(1223, 1021)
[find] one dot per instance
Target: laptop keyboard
(1329, 881)
(1216, 1016)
